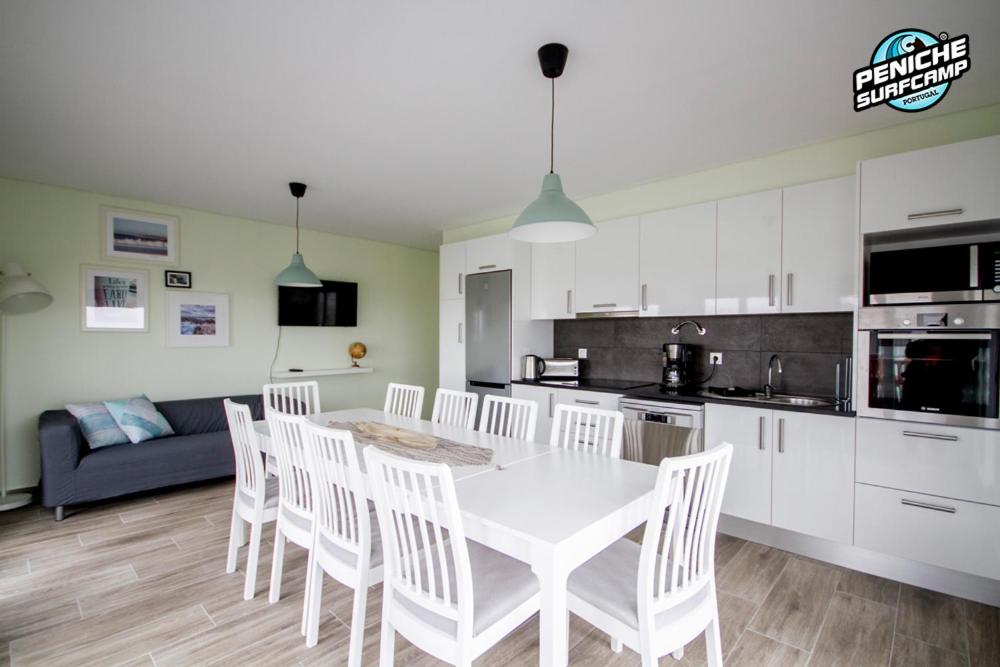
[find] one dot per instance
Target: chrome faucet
(769, 387)
(677, 329)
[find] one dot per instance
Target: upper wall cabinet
(607, 268)
(553, 276)
(677, 261)
(451, 276)
(749, 254)
(818, 247)
(489, 253)
(935, 186)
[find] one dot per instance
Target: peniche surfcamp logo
(911, 70)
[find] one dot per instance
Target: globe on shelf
(357, 351)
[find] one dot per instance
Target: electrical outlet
(715, 358)
(581, 353)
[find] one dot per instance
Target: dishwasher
(655, 430)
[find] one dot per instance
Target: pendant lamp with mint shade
(552, 217)
(297, 274)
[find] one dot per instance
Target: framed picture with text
(114, 299)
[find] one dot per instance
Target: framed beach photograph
(114, 299)
(139, 237)
(197, 319)
(177, 279)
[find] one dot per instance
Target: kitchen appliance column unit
(488, 337)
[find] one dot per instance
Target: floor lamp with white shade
(19, 293)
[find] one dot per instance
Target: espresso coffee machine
(676, 365)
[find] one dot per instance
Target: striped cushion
(97, 424)
(139, 418)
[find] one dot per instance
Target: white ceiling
(406, 118)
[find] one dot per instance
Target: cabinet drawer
(940, 460)
(949, 533)
(589, 399)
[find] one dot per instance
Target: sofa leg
(60, 513)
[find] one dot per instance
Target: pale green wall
(800, 165)
(50, 361)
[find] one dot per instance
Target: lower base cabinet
(547, 398)
(792, 470)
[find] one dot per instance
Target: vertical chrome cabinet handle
(459, 332)
(760, 432)
(770, 289)
(460, 283)
(552, 405)
(645, 305)
(781, 435)
(569, 301)
(788, 289)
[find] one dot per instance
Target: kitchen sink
(778, 399)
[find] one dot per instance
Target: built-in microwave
(931, 364)
(955, 273)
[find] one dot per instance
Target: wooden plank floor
(142, 582)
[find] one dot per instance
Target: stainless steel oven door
(933, 377)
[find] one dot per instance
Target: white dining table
(551, 508)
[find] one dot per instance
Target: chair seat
(330, 547)
(609, 581)
(271, 496)
(500, 584)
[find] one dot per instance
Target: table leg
(554, 618)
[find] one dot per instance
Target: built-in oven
(931, 364)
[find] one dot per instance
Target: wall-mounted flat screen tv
(335, 304)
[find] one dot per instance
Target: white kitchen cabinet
(748, 490)
(812, 474)
(818, 247)
(607, 268)
(553, 277)
(546, 399)
(929, 529)
(451, 273)
(934, 186)
(677, 261)
(589, 399)
(451, 344)
(489, 253)
(749, 254)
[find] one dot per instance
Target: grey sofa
(72, 473)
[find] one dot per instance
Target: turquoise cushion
(97, 425)
(139, 418)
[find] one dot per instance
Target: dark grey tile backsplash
(630, 348)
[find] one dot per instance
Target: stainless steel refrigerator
(487, 343)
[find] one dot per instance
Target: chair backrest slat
(246, 449)
(678, 549)
(405, 400)
(292, 398)
(588, 429)
(416, 504)
(510, 417)
(295, 487)
(455, 408)
(341, 510)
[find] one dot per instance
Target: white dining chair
(345, 546)
(450, 598)
(510, 417)
(292, 398)
(255, 500)
(295, 498)
(588, 429)
(675, 599)
(455, 408)
(405, 400)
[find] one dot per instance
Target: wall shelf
(316, 372)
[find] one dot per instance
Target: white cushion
(270, 494)
(327, 545)
(609, 581)
(499, 585)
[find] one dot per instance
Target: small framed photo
(177, 279)
(114, 299)
(197, 319)
(139, 237)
